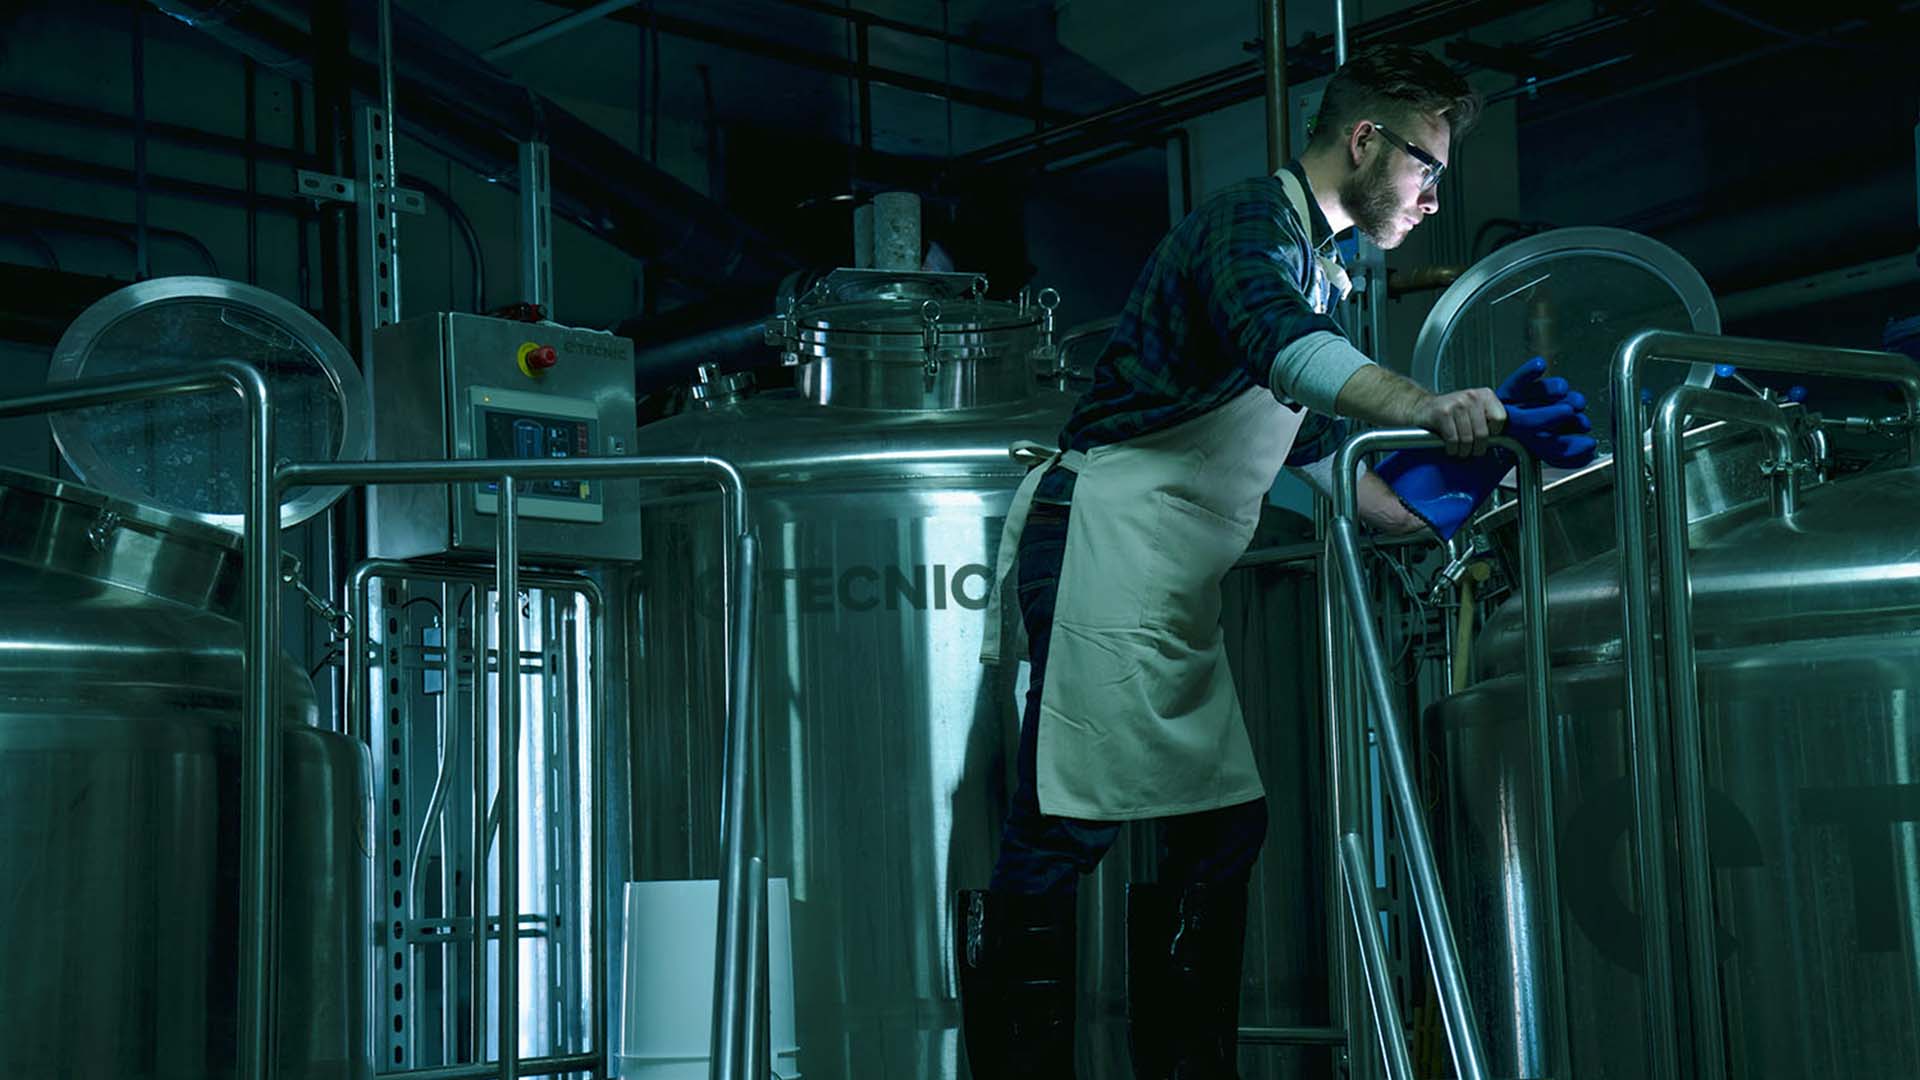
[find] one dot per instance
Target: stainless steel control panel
(455, 387)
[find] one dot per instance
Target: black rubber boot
(1015, 955)
(1150, 910)
(1209, 941)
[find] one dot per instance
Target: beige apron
(1139, 717)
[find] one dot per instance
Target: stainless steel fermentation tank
(120, 697)
(878, 490)
(1809, 670)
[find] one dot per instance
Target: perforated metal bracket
(326, 187)
(379, 231)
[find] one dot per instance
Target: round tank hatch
(1573, 296)
(187, 455)
(901, 340)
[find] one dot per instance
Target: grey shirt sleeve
(1319, 474)
(1311, 369)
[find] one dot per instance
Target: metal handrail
(741, 1043)
(1683, 700)
(259, 731)
(1442, 951)
(359, 726)
(1630, 463)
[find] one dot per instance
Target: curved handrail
(1469, 1057)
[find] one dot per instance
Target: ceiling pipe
(454, 102)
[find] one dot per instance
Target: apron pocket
(1193, 548)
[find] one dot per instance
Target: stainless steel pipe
(1387, 1025)
(506, 565)
(259, 733)
(1636, 615)
(359, 726)
(1273, 55)
(544, 1066)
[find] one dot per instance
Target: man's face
(1384, 195)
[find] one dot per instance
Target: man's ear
(1357, 141)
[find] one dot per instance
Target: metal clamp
(333, 616)
(1045, 351)
(930, 339)
(785, 333)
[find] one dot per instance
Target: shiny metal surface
(424, 677)
(1641, 351)
(741, 917)
(449, 387)
(122, 676)
(889, 746)
(1806, 677)
(899, 340)
(259, 730)
(1722, 465)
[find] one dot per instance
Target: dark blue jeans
(1045, 855)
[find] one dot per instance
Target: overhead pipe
(453, 101)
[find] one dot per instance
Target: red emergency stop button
(536, 359)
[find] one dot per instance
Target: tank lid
(187, 455)
(62, 526)
(1573, 296)
(914, 341)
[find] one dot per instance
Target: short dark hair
(1391, 84)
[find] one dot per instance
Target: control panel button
(536, 359)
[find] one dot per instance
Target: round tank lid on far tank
(187, 454)
(903, 340)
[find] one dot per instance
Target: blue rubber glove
(1440, 489)
(1556, 434)
(1529, 384)
(1544, 414)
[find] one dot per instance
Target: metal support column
(1273, 39)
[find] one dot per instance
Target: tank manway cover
(187, 455)
(1573, 296)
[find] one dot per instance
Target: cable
(332, 655)
(430, 602)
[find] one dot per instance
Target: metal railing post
(1388, 1027)
(1683, 701)
(506, 566)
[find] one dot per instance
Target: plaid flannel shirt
(1234, 283)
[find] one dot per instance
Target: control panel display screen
(529, 436)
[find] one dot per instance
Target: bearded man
(1224, 367)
